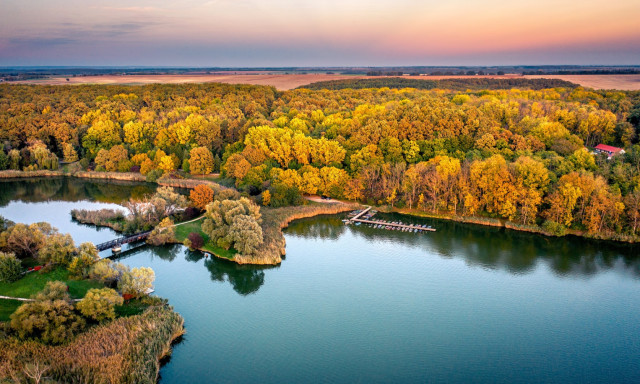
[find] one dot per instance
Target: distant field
(280, 81)
(622, 82)
(290, 81)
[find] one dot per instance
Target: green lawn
(7, 307)
(182, 231)
(34, 282)
(131, 308)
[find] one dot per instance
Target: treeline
(449, 84)
(624, 71)
(428, 150)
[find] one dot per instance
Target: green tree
(106, 271)
(162, 233)
(26, 240)
(224, 230)
(57, 249)
(99, 304)
(137, 281)
(50, 317)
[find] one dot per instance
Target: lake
(356, 304)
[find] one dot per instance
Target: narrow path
(23, 299)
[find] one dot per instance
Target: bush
(196, 240)
(10, 267)
(554, 228)
(153, 175)
(190, 213)
(99, 304)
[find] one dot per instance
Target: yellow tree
(237, 167)
(310, 181)
(532, 179)
(562, 202)
(200, 161)
(166, 164)
(495, 186)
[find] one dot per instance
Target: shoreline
(190, 183)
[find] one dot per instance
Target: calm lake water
(356, 304)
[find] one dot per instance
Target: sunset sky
(255, 33)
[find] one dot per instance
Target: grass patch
(7, 307)
(34, 282)
(183, 231)
(137, 306)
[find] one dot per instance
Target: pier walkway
(385, 224)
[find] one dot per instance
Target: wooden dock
(386, 224)
(410, 227)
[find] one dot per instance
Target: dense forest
(462, 84)
(464, 149)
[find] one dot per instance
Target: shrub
(190, 213)
(554, 228)
(99, 304)
(187, 243)
(196, 240)
(10, 267)
(153, 175)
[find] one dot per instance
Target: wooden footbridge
(395, 225)
(123, 240)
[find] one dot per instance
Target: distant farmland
(290, 81)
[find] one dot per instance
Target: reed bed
(15, 174)
(126, 176)
(127, 350)
(111, 218)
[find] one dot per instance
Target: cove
(355, 304)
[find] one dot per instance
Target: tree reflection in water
(72, 189)
(489, 247)
(245, 279)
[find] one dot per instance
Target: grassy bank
(34, 282)
(126, 350)
(182, 231)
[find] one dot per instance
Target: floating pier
(366, 217)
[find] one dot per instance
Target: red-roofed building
(609, 150)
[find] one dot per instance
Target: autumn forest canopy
(521, 154)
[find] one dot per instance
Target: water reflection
(71, 189)
(489, 247)
(245, 279)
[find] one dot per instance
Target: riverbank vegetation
(72, 317)
(126, 350)
(523, 156)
